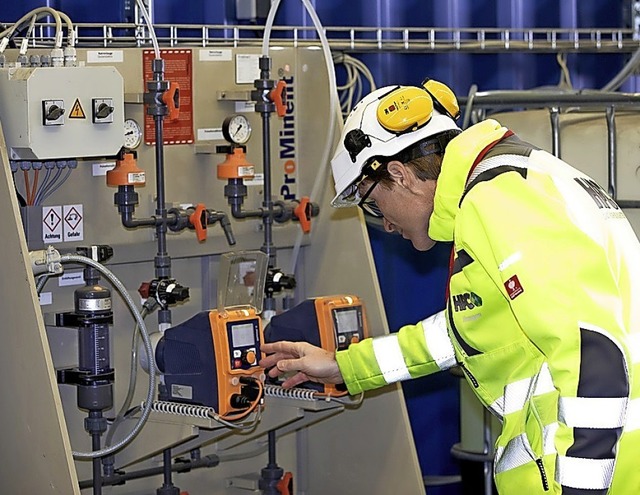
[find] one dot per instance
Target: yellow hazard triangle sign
(76, 111)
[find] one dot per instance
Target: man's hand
(311, 363)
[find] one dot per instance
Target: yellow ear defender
(443, 98)
(407, 108)
(404, 109)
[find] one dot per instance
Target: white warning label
(73, 223)
(52, 224)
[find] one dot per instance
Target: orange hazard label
(178, 68)
(76, 111)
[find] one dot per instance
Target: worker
(543, 301)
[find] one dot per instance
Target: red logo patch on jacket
(513, 286)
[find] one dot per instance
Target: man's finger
(285, 365)
(296, 379)
(282, 346)
(271, 360)
(274, 372)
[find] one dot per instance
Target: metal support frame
(557, 100)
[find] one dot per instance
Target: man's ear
(399, 172)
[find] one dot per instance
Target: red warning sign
(178, 68)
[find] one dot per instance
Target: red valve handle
(285, 485)
(171, 98)
(303, 213)
(199, 221)
(278, 95)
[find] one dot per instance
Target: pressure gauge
(236, 129)
(132, 134)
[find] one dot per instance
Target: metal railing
(555, 101)
(358, 39)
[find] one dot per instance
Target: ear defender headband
(408, 108)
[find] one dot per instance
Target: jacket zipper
(469, 375)
(543, 474)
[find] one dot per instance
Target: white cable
(267, 27)
(335, 115)
(25, 42)
(9, 32)
(133, 378)
(293, 393)
(189, 410)
(629, 68)
(71, 34)
(152, 32)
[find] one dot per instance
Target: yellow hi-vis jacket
(542, 315)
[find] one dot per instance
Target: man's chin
(422, 244)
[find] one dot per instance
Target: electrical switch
(103, 110)
(52, 112)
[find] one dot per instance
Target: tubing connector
(154, 97)
(165, 291)
(269, 95)
(46, 261)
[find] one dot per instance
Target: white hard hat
(384, 123)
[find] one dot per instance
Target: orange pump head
(126, 172)
(236, 165)
(331, 322)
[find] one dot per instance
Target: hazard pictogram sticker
(77, 112)
(52, 224)
(73, 223)
(73, 218)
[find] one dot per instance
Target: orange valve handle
(303, 213)
(285, 485)
(278, 95)
(199, 221)
(171, 98)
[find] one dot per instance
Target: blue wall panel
(413, 287)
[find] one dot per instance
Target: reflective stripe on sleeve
(438, 341)
(633, 415)
(633, 341)
(389, 357)
(518, 392)
(592, 412)
(518, 451)
(588, 474)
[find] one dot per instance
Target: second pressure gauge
(236, 129)
(132, 134)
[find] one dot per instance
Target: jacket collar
(459, 158)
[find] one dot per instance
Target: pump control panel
(242, 337)
(341, 321)
(330, 322)
(212, 360)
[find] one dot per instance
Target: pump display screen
(347, 321)
(242, 335)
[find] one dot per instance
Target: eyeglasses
(369, 205)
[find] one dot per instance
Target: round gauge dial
(132, 134)
(236, 129)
